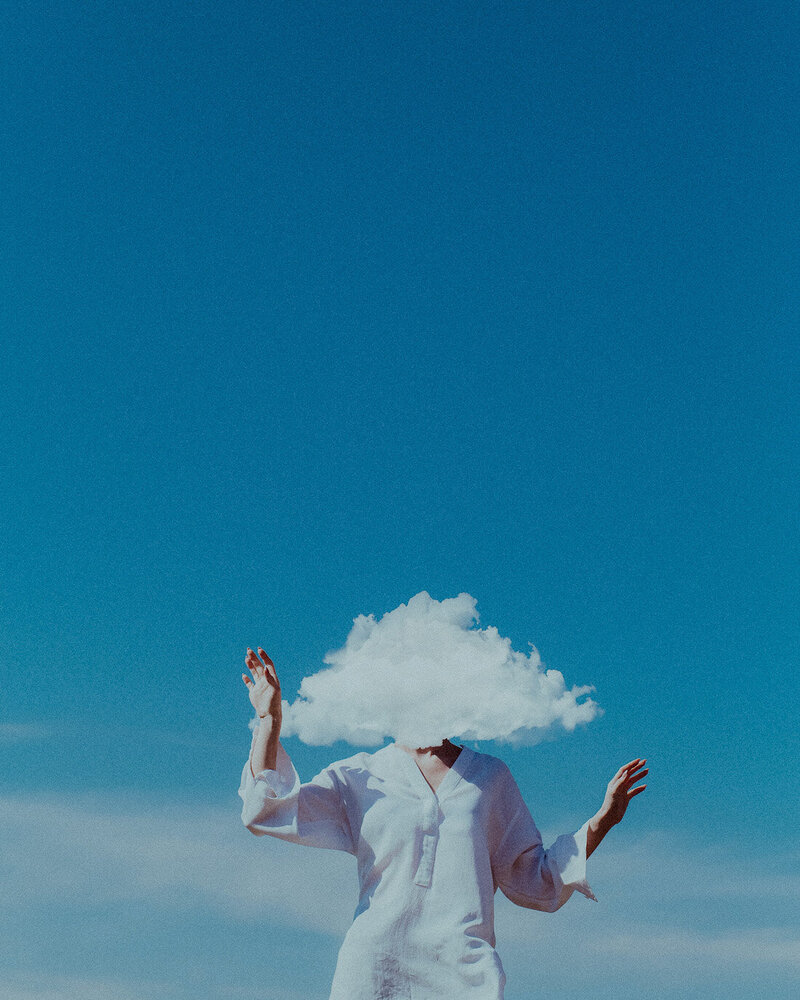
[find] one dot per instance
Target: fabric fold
(567, 861)
(279, 782)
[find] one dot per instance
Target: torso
(423, 927)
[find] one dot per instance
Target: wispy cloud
(65, 850)
(423, 673)
(21, 732)
(36, 986)
(61, 852)
(629, 933)
(751, 946)
(665, 865)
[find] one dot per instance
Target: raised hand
(264, 688)
(620, 790)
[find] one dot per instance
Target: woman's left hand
(620, 790)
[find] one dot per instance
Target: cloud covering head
(424, 673)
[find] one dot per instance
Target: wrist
(596, 829)
(601, 823)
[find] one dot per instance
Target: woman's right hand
(264, 688)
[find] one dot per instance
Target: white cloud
(582, 950)
(661, 910)
(671, 910)
(677, 868)
(60, 850)
(423, 673)
(764, 945)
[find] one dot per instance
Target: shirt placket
(430, 839)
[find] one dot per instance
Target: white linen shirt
(429, 864)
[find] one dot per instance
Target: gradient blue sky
(309, 307)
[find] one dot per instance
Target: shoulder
(356, 762)
(361, 763)
(491, 769)
(500, 787)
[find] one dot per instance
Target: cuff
(273, 783)
(568, 858)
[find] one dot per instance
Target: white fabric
(428, 865)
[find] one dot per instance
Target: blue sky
(308, 308)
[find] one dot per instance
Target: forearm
(599, 825)
(264, 755)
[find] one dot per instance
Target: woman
(435, 831)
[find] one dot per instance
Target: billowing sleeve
(526, 873)
(313, 813)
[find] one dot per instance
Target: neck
(442, 749)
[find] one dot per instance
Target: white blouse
(429, 864)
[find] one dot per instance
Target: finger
(635, 791)
(269, 666)
(633, 778)
(247, 680)
(251, 658)
(254, 665)
(625, 767)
